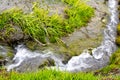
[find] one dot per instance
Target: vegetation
(78, 13)
(41, 26)
(53, 75)
(118, 35)
(48, 75)
(114, 65)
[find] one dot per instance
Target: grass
(48, 75)
(78, 13)
(41, 26)
(54, 75)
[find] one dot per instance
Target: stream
(26, 60)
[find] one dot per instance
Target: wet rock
(11, 34)
(31, 64)
(3, 62)
(6, 55)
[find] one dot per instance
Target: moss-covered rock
(11, 34)
(118, 35)
(6, 54)
(118, 40)
(118, 29)
(34, 45)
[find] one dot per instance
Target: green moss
(31, 45)
(10, 55)
(118, 35)
(76, 47)
(6, 52)
(1, 57)
(118, 40)
(118, 29)
(115, 59)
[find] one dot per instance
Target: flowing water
(27, 60)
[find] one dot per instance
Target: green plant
(51, 75)
(41, 26)
(78, 12)
(118, 29)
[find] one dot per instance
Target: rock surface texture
(91, 34)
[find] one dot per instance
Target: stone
(11, 34)
(6, 55)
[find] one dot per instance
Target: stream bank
(85, 33)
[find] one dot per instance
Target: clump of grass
(50, 75)
(53, 75)
(41, 26)
(78, 13)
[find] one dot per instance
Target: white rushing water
(25, 59)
